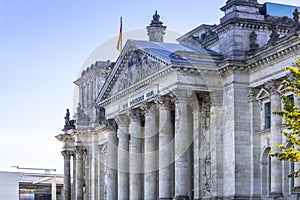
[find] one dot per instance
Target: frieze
(138, 99)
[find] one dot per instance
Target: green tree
(291, 115)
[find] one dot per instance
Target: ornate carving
(181, 95)
(148, 108)
(252, 94)
(253, 42)
(138, 67)
(122, 119)
(111, 124)
(135, 114)
(272, 86)
(207, 175)
(205, 111)
(163, 102)
(81, 116)
(66, 154)
(79, 149)
(274, 34)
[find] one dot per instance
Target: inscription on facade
(139, 99)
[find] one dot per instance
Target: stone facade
(192, 120)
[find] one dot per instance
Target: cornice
(229, 66)
(137, 85)
(286, 46)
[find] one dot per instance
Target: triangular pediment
(138, 66)
(133, 66)
(262, 94)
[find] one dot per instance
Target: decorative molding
(252, 94)
(135, 115)
(66, 154)
(122, 120)
(272, 86)
(269, 54)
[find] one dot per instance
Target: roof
(173, 52)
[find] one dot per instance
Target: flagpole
(122, 34)
(120, 39)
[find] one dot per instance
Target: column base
(276, 195)
(181, 197)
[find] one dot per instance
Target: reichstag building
(187, 120)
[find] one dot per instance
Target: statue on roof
(69, 124)
(67, 117)
(296, 15)
(156, 20)
(156, 17)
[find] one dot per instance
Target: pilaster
(276, 137)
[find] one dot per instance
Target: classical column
(150, 167)
(183, 141)
(123, 157)
(276, 137)
(79, 172)
(135, 155)
(67, 174)
(87, 171)
(94, 167)
(73, 194)
(112, 159)
(166, 149)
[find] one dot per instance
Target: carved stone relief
(137, 68)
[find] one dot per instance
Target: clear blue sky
(42, 47)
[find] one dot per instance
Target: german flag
(119, 43)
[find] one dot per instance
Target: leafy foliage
(291, 116)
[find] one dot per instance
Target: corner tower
(243, 9)
(156, 30)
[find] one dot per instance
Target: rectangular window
(267, 115)
(291, 98)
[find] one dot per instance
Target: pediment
(134, 65)
(136, 68)
(262, 94)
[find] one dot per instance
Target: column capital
(163, 102)
(111, 125)
(181, 95)
(252, 94)
(122, 119)
(66, 154)
(271, 86)
(79, 149)
(149, 108)
(134, 114)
